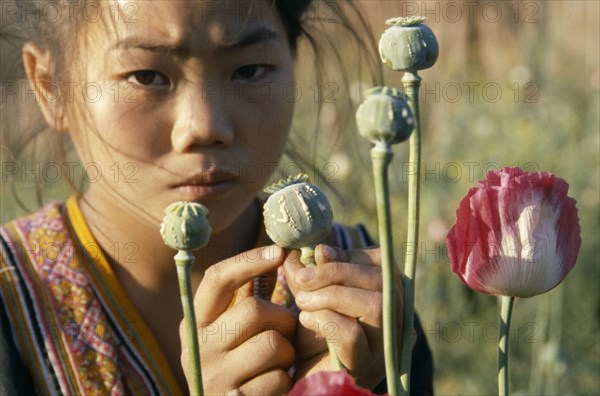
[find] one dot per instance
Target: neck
(136, 251)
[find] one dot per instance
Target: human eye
(251, 72)
(147, 78)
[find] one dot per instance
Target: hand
(246, 348)
(341, 302)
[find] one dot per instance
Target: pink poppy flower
(328, 383)
(516, 234)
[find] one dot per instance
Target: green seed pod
(185, 226)
(297, 214)
(408, 45)
(385, 116)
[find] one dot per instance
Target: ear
(39, 68)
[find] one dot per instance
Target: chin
(224, 218)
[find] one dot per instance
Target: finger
(291, 265)
(221, 280)
(246, 290)
(364, 362)
(367, 256)
(245, 320)
(308, 345)
(364, 305)
(273, 382)
(343, 333)
(334, 273)
(264, 352)
(292, 259)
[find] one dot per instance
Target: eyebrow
(251, 37)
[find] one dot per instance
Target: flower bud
(408, 45)
(516, 234)
(328, 383)
(385, 116)
(185, 226)
(297, 214)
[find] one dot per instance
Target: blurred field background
(517, 83)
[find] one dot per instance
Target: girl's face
(183, 100)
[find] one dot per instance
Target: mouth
(206, 184)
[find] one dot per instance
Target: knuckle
(371, 255)
(333, 270)
(374, 306)
(182, 334)
(273, 340)
(278, 345)
(213, 276)
(272, 382)
(377, 278)
(252, 307)
(375, 253)
(185, 357)
(281, 377)
(353, 336)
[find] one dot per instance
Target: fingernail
(303, 297)
(272, 253)
(329, 253)
(306, 274)
(304, 316)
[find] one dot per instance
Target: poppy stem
(308, 260)
(381, 156)
(184, 260)
(503, 341)
(411, 82)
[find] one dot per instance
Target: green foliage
(529, 97)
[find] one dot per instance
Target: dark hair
(26, 135)
(291, 12)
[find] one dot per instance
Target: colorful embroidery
(282, 294)
(79, 348)
(72, 322)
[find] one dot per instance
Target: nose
(201, 120)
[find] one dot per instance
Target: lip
(206, 184)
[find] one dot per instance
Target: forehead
(196, 24)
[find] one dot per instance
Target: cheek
(268, 139)
(274, 127)
(267, 123)
(261, 135)
(125, 129)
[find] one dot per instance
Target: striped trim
(19, 308)
(365, 238)
(348, 238)
(71, 322)
(136, 336)
(30, 309)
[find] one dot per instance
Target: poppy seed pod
(385, 116)
(185, 226)
(408, 45)
(297, 214)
